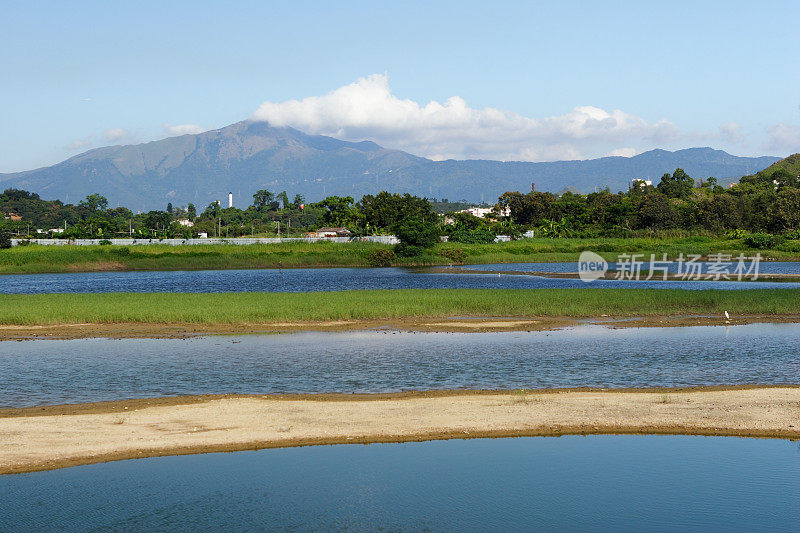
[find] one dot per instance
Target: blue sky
(508, 80)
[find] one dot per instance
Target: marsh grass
(189, 257)
(33, 259)
(520, 396)
(526, 396)
(260, 307)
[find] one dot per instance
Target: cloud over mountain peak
(367, 109)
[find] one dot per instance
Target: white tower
(230, 199)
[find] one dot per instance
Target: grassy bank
(36, 259)
(247, 308)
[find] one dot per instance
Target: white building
(483, 212)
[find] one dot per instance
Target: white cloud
(783, 139)
(367, 109)
(182, 129)
(118, 135)
(80, 144)
(623, 152)
(731, 133)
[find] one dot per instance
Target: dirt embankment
(52, 437)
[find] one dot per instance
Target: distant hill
(790, 164)
(565, 190)
(248, 156)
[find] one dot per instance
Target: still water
(339, 279)
(595, 483)
(39, 372)
(764, 267)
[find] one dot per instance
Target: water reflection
(336, 279)
(595, 483)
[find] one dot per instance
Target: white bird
(727, 316)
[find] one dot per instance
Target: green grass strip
(248, 307)
(37, 259)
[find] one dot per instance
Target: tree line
(765, 202)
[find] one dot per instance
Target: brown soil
(97, 266)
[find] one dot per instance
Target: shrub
(791, 246)
(105, 242)
(408, 250)
(587, 233)
(762, 241)
(475, 236)
(456, 255)
(793, 235)
(381, 258)
(736, 234)
(415, 236)
(5, 239)
(124, 251)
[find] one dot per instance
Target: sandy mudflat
(436, 324)
(53, 437)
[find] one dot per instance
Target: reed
(248, 307)
(38, 259)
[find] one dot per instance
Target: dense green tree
(283, 198)
(384, 210)
(466, 221)
(717, 213)
(95, 202)
(415, 236)
(157, 220)
(531, 208)
(5, 239)
(678, 185)
(655, 212)
(784, 213)
(338, 211)
(263, 200)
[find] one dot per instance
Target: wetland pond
(575, 483)
(46, 372)
(339, 279)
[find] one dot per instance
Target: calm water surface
(41, 372)
(337, 279)
(764, 267)
(595, 483)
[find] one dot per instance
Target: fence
(383, 239)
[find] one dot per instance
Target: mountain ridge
(250, 155)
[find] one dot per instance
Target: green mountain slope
(248, 156)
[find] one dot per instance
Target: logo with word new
(591, 266)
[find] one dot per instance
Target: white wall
(385, 239)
